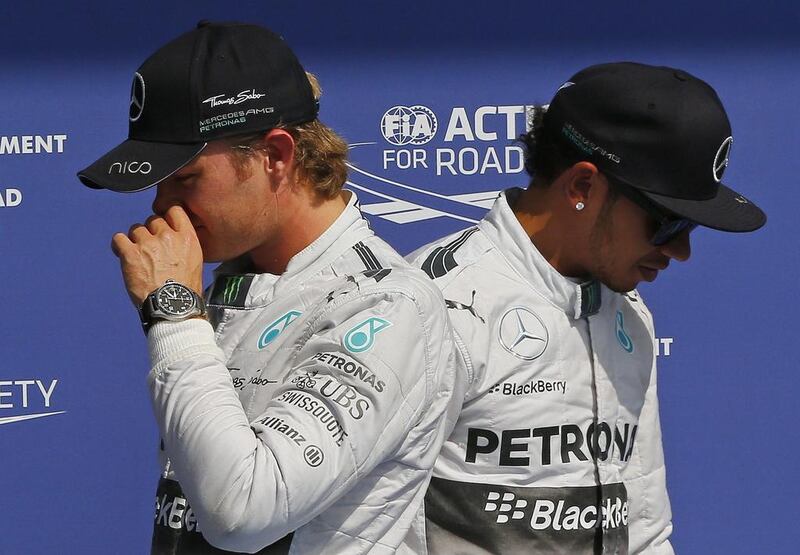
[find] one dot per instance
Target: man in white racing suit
(558, 446)
(302, 405)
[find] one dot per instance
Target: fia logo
(362, 336)
(403, 125)
(272, 331)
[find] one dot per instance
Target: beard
(604, 253)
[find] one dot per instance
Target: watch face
(175, 299)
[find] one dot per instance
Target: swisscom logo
(420, 152)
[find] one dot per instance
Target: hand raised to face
(160, 249)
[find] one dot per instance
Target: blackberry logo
(504, 508)
(559, 514)
(404, 125)
(529, 388)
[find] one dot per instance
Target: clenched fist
(161, 249)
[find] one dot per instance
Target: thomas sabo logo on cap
(721, 159)
(225, 100)
(137, 97)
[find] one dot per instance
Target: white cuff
(171, 341)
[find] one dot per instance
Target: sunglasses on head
(669, 225)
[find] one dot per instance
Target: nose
(679, 248)
(167, 195)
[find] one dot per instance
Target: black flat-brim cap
(136, 165)
(659, 130)
(220, 80)
(727, 211)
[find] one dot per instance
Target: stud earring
(580, 206)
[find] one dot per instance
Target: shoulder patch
(362, 336)
(272, 331)
(231, 290)
(441, 260)
(368, 257)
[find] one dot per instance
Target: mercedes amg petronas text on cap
(219, 80)
(659, 130)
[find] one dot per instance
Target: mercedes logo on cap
(721, 159)
(523, 333)
(137, 97)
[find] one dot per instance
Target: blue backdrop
(82, 480)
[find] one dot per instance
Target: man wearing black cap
(303, 402)
(558, 447)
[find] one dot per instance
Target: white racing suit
(558, 446)
(308, 418)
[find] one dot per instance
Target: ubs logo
(137, 97)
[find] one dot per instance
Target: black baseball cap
(659, 130)
(217, 81)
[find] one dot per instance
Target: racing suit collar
(501, 226)
(349, 228)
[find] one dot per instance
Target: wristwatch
(172, 301)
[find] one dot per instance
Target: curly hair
(320, 153)
(545, 157)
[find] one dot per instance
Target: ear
(583, 183)
(279, 161)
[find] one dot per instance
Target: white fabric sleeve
(650, 521)
(360, 378)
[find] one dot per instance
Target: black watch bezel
(155, 309)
